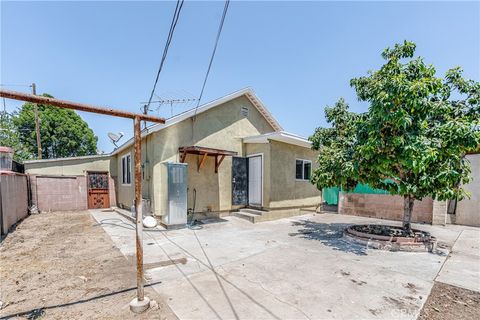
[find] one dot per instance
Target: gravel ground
(63, 265)
(448, 302)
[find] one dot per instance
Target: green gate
(330, 195)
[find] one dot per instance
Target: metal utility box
(174, 190)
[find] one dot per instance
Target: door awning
(203, 153)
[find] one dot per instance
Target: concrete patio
(294, 268)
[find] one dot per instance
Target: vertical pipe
(37, 123)
(138, 207)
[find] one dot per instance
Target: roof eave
(248, 92)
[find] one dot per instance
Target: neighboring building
(237, 156)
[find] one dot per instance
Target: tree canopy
(9, 137)
(413, 138)
(63, 133)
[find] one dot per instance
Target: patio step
(256, 216)
(246, 216)
(252, 215)
(253, 211)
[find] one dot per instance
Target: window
(303, 169)
(126, 169)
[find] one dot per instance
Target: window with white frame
(126, 169)
(303, 169)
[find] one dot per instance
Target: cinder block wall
(59, 193)
(383, 206)
(13, 199)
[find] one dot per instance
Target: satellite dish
(115, 137)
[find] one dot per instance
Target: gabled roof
(281, 136)
(247, 92)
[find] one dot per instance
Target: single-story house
(228, 154)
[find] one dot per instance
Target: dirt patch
(63, 265)
(448, 302)
(389, 231)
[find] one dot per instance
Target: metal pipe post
(76, 106)
(138, 207)
(140, 303)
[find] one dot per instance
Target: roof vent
(244, 111)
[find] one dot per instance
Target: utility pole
(37, 123)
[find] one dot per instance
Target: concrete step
(246, 216)
(268, 215)
(253, 211)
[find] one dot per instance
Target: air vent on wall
(244, 111)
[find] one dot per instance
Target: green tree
(63, 133)
(9, 137)
(413, 139)
(336, 163)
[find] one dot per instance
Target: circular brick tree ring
(390, 238)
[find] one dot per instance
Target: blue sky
(297, 56)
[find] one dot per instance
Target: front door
(255, 181)
(239, 181)
(98, 196)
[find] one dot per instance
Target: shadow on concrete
(40, 312)
(329, 234)
(219, 278)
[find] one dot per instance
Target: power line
(14, 85)
(173, 24)
(162, 101)
(222, 20)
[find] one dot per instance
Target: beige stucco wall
(126, 192)
(468, 210)
(68, 167)
(285, 190)
(54, 193)
(221, 127)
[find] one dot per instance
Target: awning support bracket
(218, 162)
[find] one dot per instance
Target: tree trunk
(407, 211)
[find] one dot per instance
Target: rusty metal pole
(141, 303)
(76, 106)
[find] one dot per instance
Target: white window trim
(121, 168)
(303, 169)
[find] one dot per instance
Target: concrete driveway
(296, 268)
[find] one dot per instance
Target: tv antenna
(115, 137)
(166, 99)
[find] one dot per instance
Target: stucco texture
(68, 167)
(286, 191)
(468, 210)
(221, 127)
